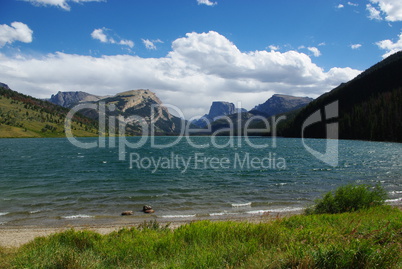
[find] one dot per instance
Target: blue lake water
(47, 182)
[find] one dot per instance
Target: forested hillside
(25, 116)
(370, 106)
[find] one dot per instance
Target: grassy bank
(369, 238)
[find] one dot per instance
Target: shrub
(349, 198)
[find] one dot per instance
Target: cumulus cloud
(99, 35)
(355, 46)
(316, 52)
(150, 44)
(340, 6)
(389, 46)
(391, 8)
(59, 3)
(206, 2)
(374, 14)
(200, 68)
(18, 31)
(102, 36)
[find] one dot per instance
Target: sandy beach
(15, 236)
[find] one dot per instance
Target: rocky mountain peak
(70, 99)
(2, 85)
(219, 108)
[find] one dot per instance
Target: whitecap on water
(3, 213)
(178, 216)
(241, 204)
(394, 200)
(34, 211)
(277, 210)
(80, 216)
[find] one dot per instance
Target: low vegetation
(366, 238)
(349, 198)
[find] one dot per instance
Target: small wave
(34, 211)
(80, 216)
(393, 200)
(278, 210)
(217, 214)
(178, 216)
(395, 192)
(222, 214)
(3, 213)
(241, 205)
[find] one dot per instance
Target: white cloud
(374, 14)
(340, 6)
(206, 2)
(389, 46)
(316, 52)
(18, 31)
(127, 43)
(59, 3)
(273, 47)
(392, 9)
(150, 44)
(353, 4)
(101, 35)
(355, 46)
(199, 69)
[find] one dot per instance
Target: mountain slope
(25, 116)
(370, 106)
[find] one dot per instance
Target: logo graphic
(331, 155)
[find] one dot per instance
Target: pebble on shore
(127, 213)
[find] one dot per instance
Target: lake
(51, 182)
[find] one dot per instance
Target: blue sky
(193, 52)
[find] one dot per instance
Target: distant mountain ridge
(280, 103)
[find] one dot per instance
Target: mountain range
(139, 102)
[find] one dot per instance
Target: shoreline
(16, 236)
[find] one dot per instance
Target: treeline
(370, 106)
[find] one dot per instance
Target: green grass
(369, 238)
